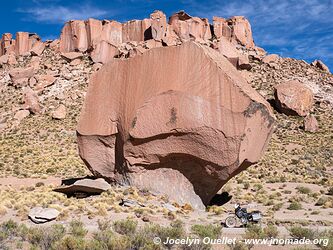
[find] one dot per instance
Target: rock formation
(293, 98)
(180, 117)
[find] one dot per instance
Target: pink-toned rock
(3, 59)
(94, 32)
(37, 48)
(179, 117)
(76, 62)
(44, 81)
(158, 25)
(21, 114)
(272, 58)
(7, 44)
(60, 112)
(112, 32)
(20, 76)
(187, 27)
(311, 123)
(228, 50)
(35, 63)
(244, 62)
(104, 52)
(136, 30)
(31, 101)
(293, 98)
(12, 58)
(320, 65)
(22, 43)
(221, 28)
(74, 37)
(241, 31)
(70, 56)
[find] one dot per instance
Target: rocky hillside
(43, 87)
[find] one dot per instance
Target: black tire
(231, 221)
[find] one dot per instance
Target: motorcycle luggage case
(256, 216)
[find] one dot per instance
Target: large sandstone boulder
(293, 98)
(179, 117)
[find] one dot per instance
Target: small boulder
(87, 186)
(320, 65)
(310, 123)
(272, 58)
(243, 62)
(70, 56)
(20, 77)
(21, 114)
(44, 81)
(293, 98)
(37, 49)
(41, 215)
(60, 112)
(3, 59)
(31, 101)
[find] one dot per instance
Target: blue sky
(301, 29)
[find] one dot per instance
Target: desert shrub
(254, 231)
(125, 227)
(70, 242)
(295, 206)
(328, 236)
(271, 231)
(8, 229)
(76, 228)
(210, 231)
(277, 206)
(238, 246)
(44, 238)
(299, 232)
(304, 190)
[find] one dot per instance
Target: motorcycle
(243, 216)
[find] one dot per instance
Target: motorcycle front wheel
(231, 221)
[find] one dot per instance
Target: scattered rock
(3, 59)
(293, 98)
(70, 56)
(60, 112)
(31, 100)
(320, 65)
(21, 114)
(88, 186)
(20, 76)
(44, 81)
(272, 58)
(170, 207)
(129, 203)
(311, 123)
(37, 49)
(41, 215)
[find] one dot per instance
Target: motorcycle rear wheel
(231, 221)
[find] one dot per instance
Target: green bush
(70, 242)
(211, 231)
(295, 206)
(327, 235)
(304, 190)
(298, 232)
(125, 227)
(271, 231)
(76, 228)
